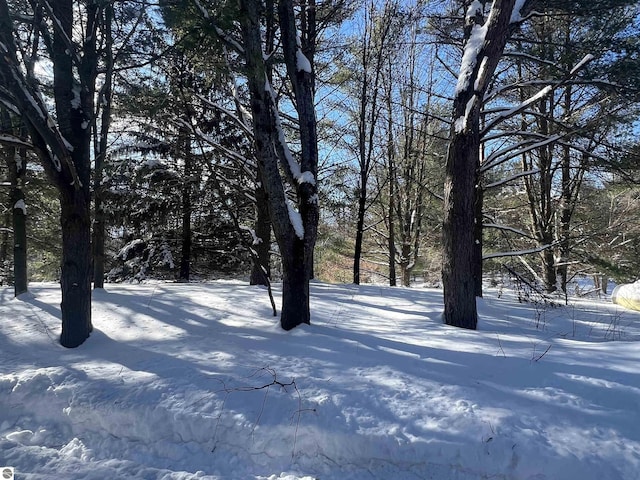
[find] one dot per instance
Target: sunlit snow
(198, 381)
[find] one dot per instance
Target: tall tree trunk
(303, 82)
(377, 30)
(4, 242)
(185, 257)
(105, 102)
(295, 231)
(64, 148)
(463, 162)
(99, 236)
(16, 161)
(391, 165)
(74, 108)
(18, 169)
(392, 226)
(458, 274)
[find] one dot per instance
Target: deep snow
(182, 381)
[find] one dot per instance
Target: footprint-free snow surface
(197, 381)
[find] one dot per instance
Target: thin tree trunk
(261, 269)
(4, 240)
(357, 251)
(105, 101)
(185, 258)
(18, 169)
(392, 226)
(477, 241)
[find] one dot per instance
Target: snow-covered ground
(183, 381)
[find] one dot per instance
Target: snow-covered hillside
(184, 381)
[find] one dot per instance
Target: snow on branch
(20, 205)
(13, 141)
(291, 166)
(505, 154)
(516, 13)
(472, 47)
(517, 109)
(302, 62)
(586, 59)
(518, 253)
(296, 220)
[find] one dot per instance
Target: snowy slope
(198, 381)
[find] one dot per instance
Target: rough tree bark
(63, 145)
(17, 171)
(15, 158)
(261, 269)
(296, 241)
(485, 39)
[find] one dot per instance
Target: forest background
(188, 140)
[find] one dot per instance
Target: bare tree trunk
(64, 148)
(185, 257)
(16, 161)
(458, 274)
(463, 162)
(18, 169)
(373, 57)
(105, 102)
(303, 82)
(75, 200)
(296, 242)
(391, 222)
(76, 268)
(477, 241)
(261, 270)
(4, 241)
(357, 251)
